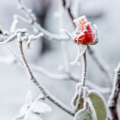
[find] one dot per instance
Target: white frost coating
(32, 38)
(81, 50)
(19, 37)
(78, 19)
(85, 92)
(29, 98)
(91, 109)
(78, 89)
(63, 30)
(40, 97)
(96, 40)
(18, 117)
(23, 109)
(78, 86)
(13, 26)
(38, 36)
(31, 110)
(83, 114)
(96, 32)
(40, 107)
(32, 116)
(22, 30)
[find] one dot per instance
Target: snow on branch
(51, 36)
(31, 20)
(52, 76)
(113, 99)
(98, 60)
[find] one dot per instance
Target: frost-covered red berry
(84, 33)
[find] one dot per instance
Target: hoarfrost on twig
(81, 50)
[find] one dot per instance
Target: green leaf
(74, 101)
(91, 109)
(98, 104)
(83, 115)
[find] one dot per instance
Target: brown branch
(54, 76)
(83, 81)
(113, 99)
(68, 10)
(41, 87)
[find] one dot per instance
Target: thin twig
(83, 81)
(68, 10)
(31, 20)
(98, 60)
(113, 99)
(51, 36)
(11, 38)
(54, 76)
(41, 87)
(75, 78)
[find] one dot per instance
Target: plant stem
(83, 80)
(113, 99)
(41, 87)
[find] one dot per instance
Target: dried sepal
(76, 96)
(81, 50)
(96, 40)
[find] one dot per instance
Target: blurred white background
(14, 83)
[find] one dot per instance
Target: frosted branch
(40, 86)
(83, 81)
(97, 59)
(63, 30)
(54, 76)
(13, 26)
(51, 36)
(11, 38)
(81, 50)
(113, 99)
(33, 22)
